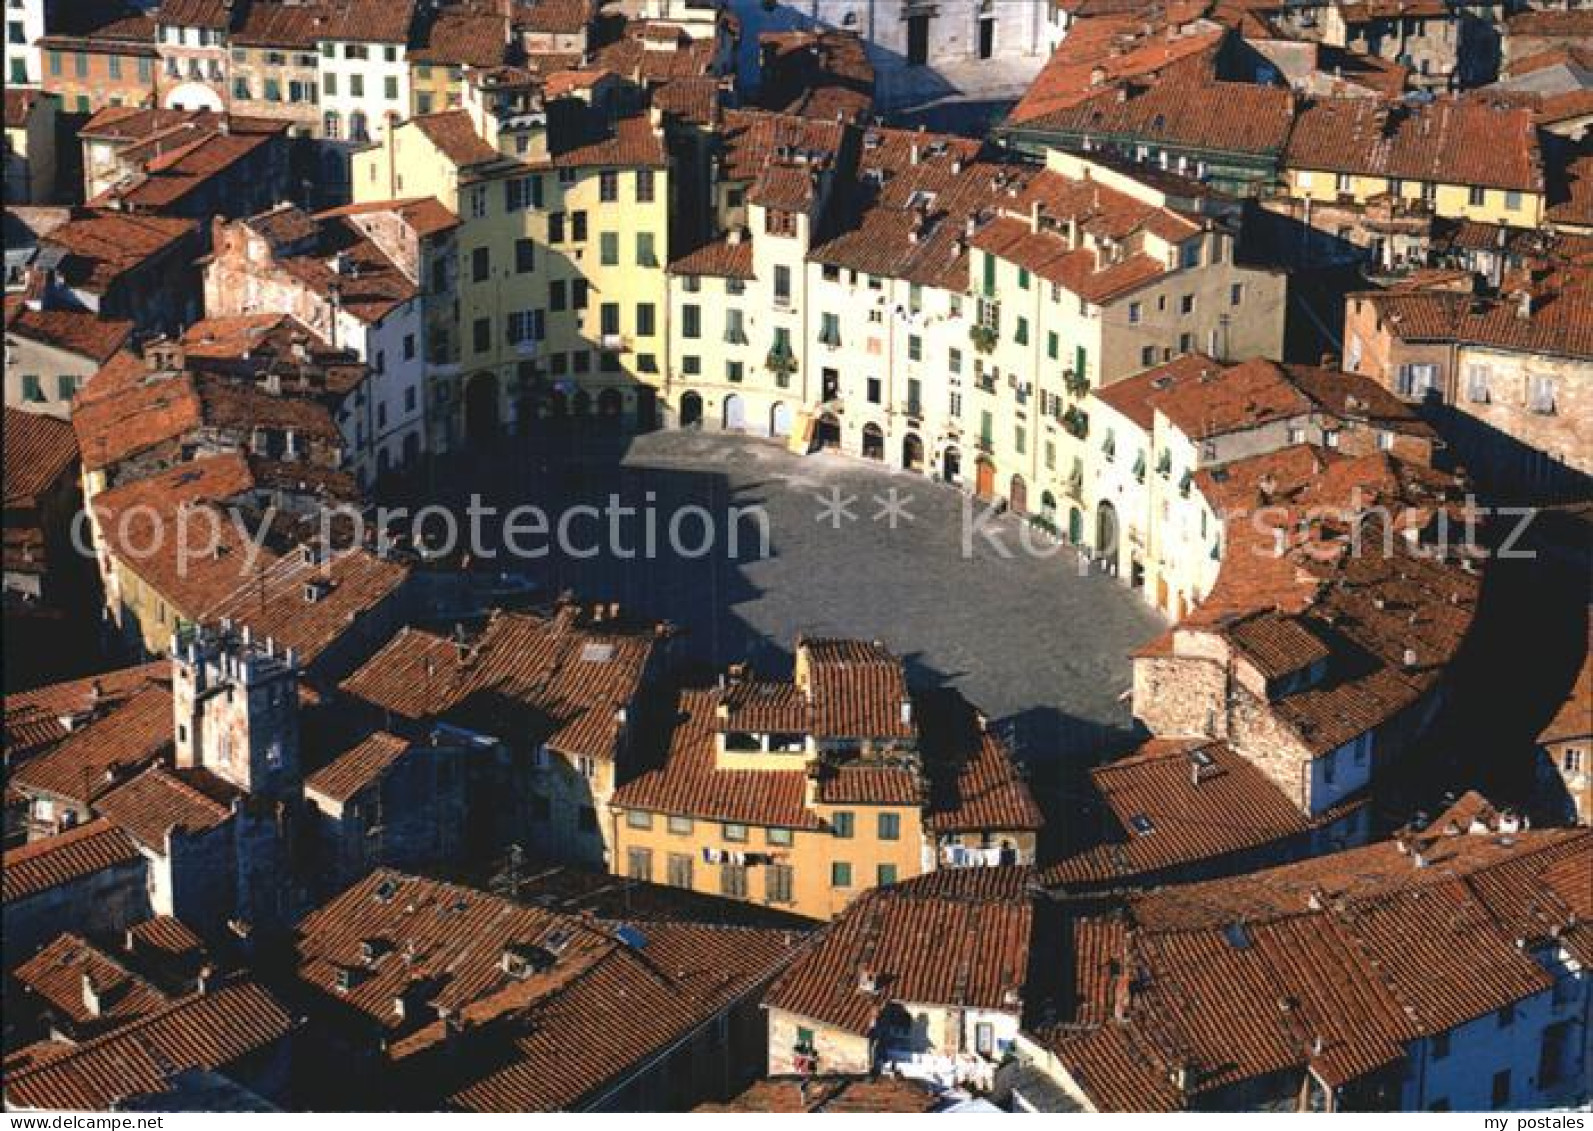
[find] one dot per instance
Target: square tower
(237, 710)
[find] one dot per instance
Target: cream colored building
(563, 238)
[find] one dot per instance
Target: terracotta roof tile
(39, 453)
(101, 247)
(279, 25)
(207, 1030)
(308, 601)
(835, 1095)
(1335, 964)
(76, 331)
(44, 864)
(62, 973)
(19, 104)
(545, 673)
(690, 783)
(357, 768)
(161, 801)
(454, 135)
(923, 944)
(98, 757)
(1450, 141)
(34, 719)
(465, 38)
(589, 1007)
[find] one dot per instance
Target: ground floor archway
(873, 442)
(610, 402)
(735, 413)
(1106, 530)
(1075, 526)
(1018, 495)
(912, 452)
(581, 403)
(1048, 509)
(481, 407)
(985, 480)
(829, 430)
(690, 410)
(951, 464)
(780, 420)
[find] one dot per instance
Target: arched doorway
(735, 413)
(1075, 526)
(1018, 495)
(912, 452)
(690, 410)
(1048, 510)
(610, 403)
(1106, 530)
(873, 442)
(951, 465)
(646, 409)
(581, 403)
(481, 407)
(558, 404)
(780, 420)
(829, 431)
(985, 479)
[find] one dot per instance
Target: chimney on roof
(1408, 660)
(92, 1004)
(1524, 304)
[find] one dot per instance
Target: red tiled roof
(39, 452)
(296, 25)
(1571, 23)
(1172, 810)
(56, 975)
(464, 37)
(369, 21)
(1102, 50)
(454, 135)
(44, 864)
(355, 769)
(551, 1040)
(76, 331)
(1571, 187)
(425, 214)
(832, 1095)
(689, 783)
(1183, 106)
(1574, 719)
(1560, 322)
(95, 758)
(185, 158)
(33, 719)
(158, 801)
(214, 14)
(1449, 141)
(171, 530)
(209, 1030)
(1359, 604)
(545, 673)
(1369, 949)
(719, 258)
(553, 16)
(276, 601)
(1049, 256)
(857, 689)
(101, 247)
(938, 944)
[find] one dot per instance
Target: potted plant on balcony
(983, 337)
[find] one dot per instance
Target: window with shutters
(639, 864)
(733, 880)
(679, 870)
(779, 880)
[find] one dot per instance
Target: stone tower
(237, 710)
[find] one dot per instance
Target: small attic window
(1141, 824)
(1237, 936)
(597, 652)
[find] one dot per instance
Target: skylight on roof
(597, 652)
(1141, 824)
(1237, 935)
